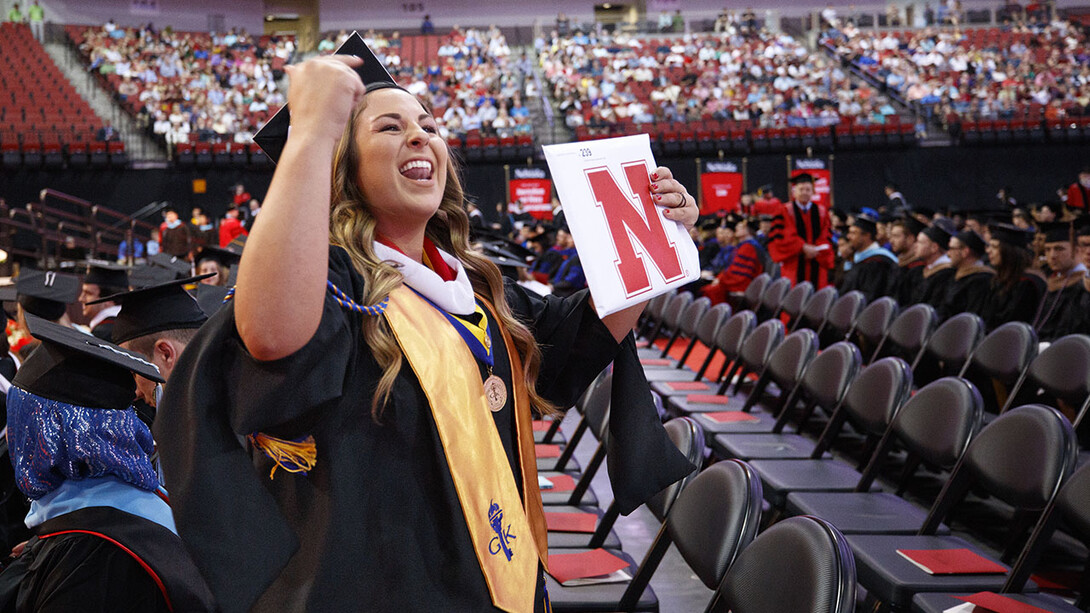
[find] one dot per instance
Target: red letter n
(632, 219)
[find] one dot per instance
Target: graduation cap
(941, 231)
(238, 243)
(866, 223)
(147, 276)
(1011, 235)
(485, 235)
(1082, 226)
(1056, 232)
(154, 309)
(804, 177)
(179, 266)
(501, 257)
(225, 257)
(8, 293)
(107, 274)
(912, 225)
(274, 134)
(46, 294)
(709, 224)
(77, 368)
(972, 240)
(210, 297)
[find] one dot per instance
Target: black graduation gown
(929, 288)
(1020, 302)
(69, 565)
(901, 287)
(872, 277)
(104, 329)
(376, 525)
(967, 292)
(1063, 311)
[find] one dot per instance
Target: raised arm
(677, 205)
(281, 279)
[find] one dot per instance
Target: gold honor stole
(507, 538)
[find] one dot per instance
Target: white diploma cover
(630, 253)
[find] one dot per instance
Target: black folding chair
(1021, 459)
(997, 363)
(772, 298)
(935, 427)
(908, 334)
(800, 565)
(794, 303)
(728, 340)
(841, 316)
(816, 309)
(688, 437)
(714, 517)
(873, 323)
(948, 349)
(823, 385)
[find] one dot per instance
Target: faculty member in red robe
(799, 238)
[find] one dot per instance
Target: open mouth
(417, 170)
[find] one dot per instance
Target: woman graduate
(384, 377)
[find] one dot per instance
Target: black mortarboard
(237, 243)
(709, 224)
(8, 293)
(487, 235)
(107, 274)
(46, 294)
(1056, 232)
(147, 276)
(1011, 235)
(501, 257)
(972, 240)
(225, 257)
(912, 225)
(804, 177)
(179, 266)
(77, 368)
(210, 297)
(154, 309)
(866, 224)
(753, 223)
(274, 134)
(1082, 226)
(940, 232)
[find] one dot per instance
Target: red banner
(722, 192)
(533, 188)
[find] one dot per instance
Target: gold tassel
(293, 456)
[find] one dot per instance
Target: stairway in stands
(142, 149)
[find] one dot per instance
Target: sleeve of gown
(575, 344)
(267, 394)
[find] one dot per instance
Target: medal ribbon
(503, 540)
(476, 336)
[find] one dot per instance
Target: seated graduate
(157, 323)
(1017, 287)
(102, 280)
(929, 281)
(1065, 307)
(750, 259)
(972, 277)
(874, 267)
(104, 538)
(365, 399)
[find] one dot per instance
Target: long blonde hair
(352, 226)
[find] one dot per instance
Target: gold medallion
(496, 393)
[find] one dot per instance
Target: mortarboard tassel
(298, 456)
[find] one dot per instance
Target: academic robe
(901, 287)
(871, 276)
(104, 329)
(746, 264)
(929, 285)
(1064, 310)
(1078, 197)
(376, 524)
(967, 292)
(1020, 302)
(792, 227)
(101, 559)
